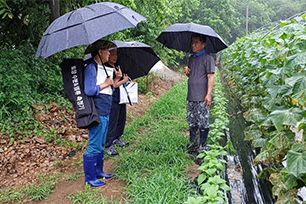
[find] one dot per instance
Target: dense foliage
(266, 72)
(25, 81)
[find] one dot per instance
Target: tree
(55, 9)
(259, 14)
(27, 21)
(286, 8)
(218, 14)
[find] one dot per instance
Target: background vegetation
(266, 73)
(269, 80)
(25, 81)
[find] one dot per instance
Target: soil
(22, 160)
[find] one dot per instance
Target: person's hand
(186, 70)
(207, 100)
(125, 78)
(118, 73)
(109, 81)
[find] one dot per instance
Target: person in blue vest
(98, 81)
(117, 116)
(200, 70)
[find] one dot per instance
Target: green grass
(31, 191)
(155, 167)
(74, 176)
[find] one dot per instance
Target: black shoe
(120, 143)
(203, 148)
(111, 151)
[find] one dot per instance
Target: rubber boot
(193, 132)
(89, 164)
(203, 138)
(99, 168)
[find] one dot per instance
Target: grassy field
(155, 166)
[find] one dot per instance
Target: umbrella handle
(127, 94)
(107, 76)
(103, 65)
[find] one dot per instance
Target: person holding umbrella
(200, 71)
(85, 26)
(117, 116)
(97, 83)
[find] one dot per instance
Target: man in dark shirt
(200, 71)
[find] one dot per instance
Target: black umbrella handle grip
(107, 75)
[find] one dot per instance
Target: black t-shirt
(198, 81)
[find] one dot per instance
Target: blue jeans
(97, 136)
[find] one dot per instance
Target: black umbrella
(85, 26)
(178, 36)
(135, 58)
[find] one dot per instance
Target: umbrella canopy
(179, 36)
(135, 58)
(85, 26)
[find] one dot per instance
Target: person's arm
(108, 82)
(123, 81)
(207, 100)
(90, 80)
(118, 74)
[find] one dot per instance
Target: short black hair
(94, 53)
(202, 38)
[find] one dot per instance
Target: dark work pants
(117, 119)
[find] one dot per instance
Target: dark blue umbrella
(85, 26)
(178, 36)
(135, 58)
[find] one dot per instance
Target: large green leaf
(296, 163)
(296, 59)
(300, 97)
(273, 90)
(293, 80)
(262, 157)
(192, 200)
(299, 85)
(254, 115)
(286, 117)
(280, 140)
(285, 90)
(299, 147)
(252, 134)
(261, 142)
(201, 178)
(294, 28)
(290, 182)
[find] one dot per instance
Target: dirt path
(115, 188)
